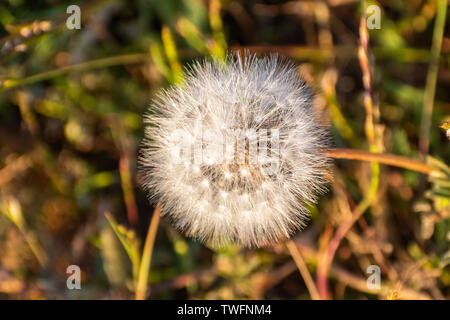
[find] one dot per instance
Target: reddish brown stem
(389, 159)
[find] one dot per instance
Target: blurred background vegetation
(71, 106)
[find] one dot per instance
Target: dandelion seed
(266, 103)
(205, 183)
(244, 172)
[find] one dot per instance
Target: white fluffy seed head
(216, 188)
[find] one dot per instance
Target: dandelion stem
(301, 265)
(144, 269)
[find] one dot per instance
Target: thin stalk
(389, 159)
(301, 265)
(13, 211)
(402, 55)
(375, 144)
(144, 269)
(35, 247)
(127, 189)
(430, 86)
(94, 64)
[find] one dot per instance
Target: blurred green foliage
(71, 108)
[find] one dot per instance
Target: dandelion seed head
(235, 193)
